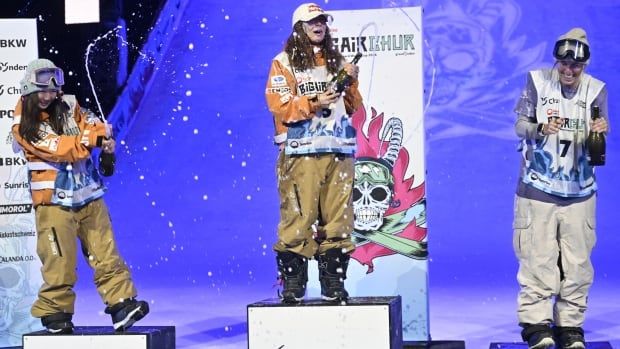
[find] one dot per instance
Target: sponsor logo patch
(278, 81)
(279, 90)
(286, 98)
(54, 144)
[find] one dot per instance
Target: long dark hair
(31, 113)
(300, 52)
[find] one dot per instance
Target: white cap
(309, 11)
(575, 34)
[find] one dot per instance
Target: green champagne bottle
(339, 83)
(342, 80)
(106, 163)
(596, 143)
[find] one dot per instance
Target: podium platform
(364, 322)
(104, 337)
(589, 345)
(434, 345)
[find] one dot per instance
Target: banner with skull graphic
(19, 264)
(389, 193)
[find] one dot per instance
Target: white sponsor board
(391, 233)
(19, 265)
(81, 11)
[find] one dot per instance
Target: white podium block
(364, 322)
(513, 345)
(137, 337)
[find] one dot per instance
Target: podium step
(589, 345)
(104, 337)
(364, 322)
(434, 345)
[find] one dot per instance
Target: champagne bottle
(106, 163)
(106, 160)
(342, 80)
(596, 143)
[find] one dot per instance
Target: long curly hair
(300, 52)
(30, 119)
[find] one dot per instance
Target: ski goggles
(44, 77)
(571, 49)
(372, 171)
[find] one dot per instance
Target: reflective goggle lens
(372, 172)
(571, 49)
(44, 76)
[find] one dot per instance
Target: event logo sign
(19, 264)
(389, 195)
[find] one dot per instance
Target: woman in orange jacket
(57, 138)
(317, 142)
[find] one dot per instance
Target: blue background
(198, 194)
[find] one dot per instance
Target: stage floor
(215, 317)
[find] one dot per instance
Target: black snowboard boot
(293, 271)
(126, 313)
(332, 273)
(569, 337)
(537, 336)
(59, 323)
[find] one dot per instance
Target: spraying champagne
(106, 160)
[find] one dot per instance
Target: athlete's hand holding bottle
(338, 84)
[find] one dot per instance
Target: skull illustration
(12, 280)
(372, 193)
